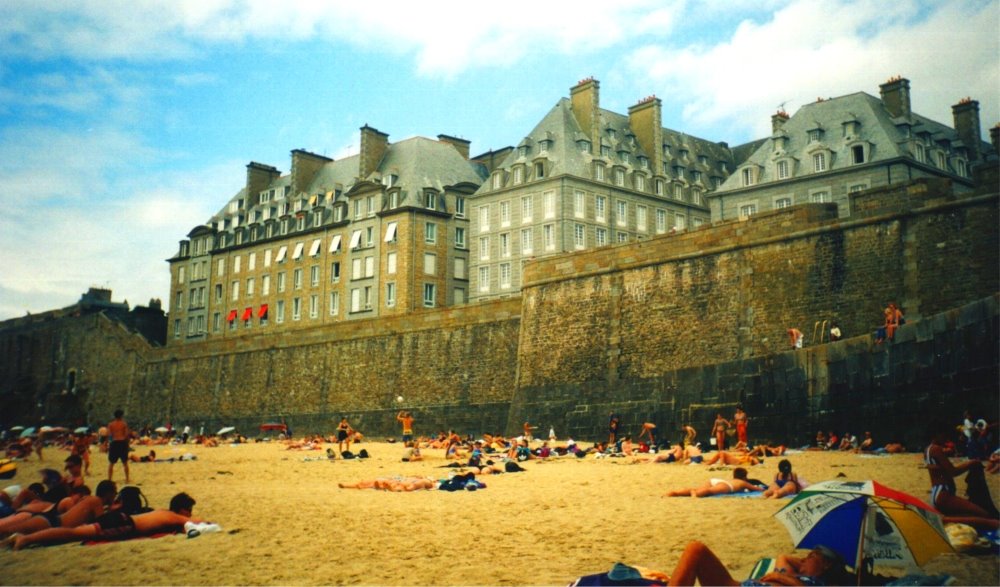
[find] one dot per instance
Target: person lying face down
(716, 486)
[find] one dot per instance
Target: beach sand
(285, 521)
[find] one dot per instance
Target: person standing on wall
(795, 338)
(118, 432)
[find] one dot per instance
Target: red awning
(248, 313)
(231, 316)
(262, 312)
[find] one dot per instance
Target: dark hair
(181, 501)
(36, 488)
(132, 500)
(119, 413)
(80, 490)
(785, 466)
(740, 473)
(105, 488)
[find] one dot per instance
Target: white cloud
(806, 51)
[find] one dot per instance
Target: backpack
(347, 455)
(362, 454)
(132, 500)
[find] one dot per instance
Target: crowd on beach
(61, 507)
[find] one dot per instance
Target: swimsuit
(51, 515)
(937, 490)
(118, 451)
(696, 459)
(715, 481)
(115, 524)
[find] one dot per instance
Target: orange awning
(262, 312)
(248, 313)
(232, 315)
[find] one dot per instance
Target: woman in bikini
(944, 495)
(785, 482)
(716, 486)
(719, 431)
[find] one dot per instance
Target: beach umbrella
(82, 430)
(162, 429)
(225, 430)
(27, 432)
(865, 520)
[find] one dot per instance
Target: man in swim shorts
(118, 449)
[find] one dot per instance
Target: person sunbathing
(822, 566)
(785, 482)
(151, 457)
(392, 484)
(116, 524)
(85, 509)
(767, 450)
(732, 458)
(692, 454)
(717, 486)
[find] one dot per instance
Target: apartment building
(379, 233)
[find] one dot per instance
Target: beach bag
(347, 455)
(512, 467)
(362, 454)
(8, 469)
(132, 500)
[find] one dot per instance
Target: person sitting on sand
(785, 482)
(411, 453)
(150, 458)
(822, 566)
(726, 457)
(717, 486)
(944, 495)
(693, 455)
(116, 524)
(867, 444)
(396, 484)
(85, 510)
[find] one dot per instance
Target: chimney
(305, 166)
(259, 176)
(966, 115)
(585, 98)
(374, 144)
(461, 145)
(896, 96)
(995, 138)
(778, 120)
(645, 120)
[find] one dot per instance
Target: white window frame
(484, 278)
(527, 209)
(527, 246)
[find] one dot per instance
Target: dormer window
(539, 170)
(544, 145)
(498, 180)
(518, 175)
(858, 154)
(780, 143)
(682, 153)
(430, 200)
(643, 162)
(748, 175)
(389, 180)
(297, 206)
(599, 172)
(961, 168)
(702, 160)
(605, 151)
(265, 196)
(234, 206)
(666, 150)
(819, 162)
(782, 169)
(612, 134)
(523, 150)
(851, 128)
(619, 177)
(584, 146)
(815, 135)
(392, 199)
(623, 155)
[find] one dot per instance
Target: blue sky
(125, 124)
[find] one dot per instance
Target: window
(622, 237)
(782, 169)
(504, 275)
(279, 312)
(313, 306)
(430, 264)
(236, 291)
(858, 187)
(549, 236)
(390, 232)
(484, 218)
(621, 218)
(678, 191)
(459, 207)
(484, 278)
(781, 203)
(297, 278)
(640, 218)
(484, 247)
(221, 267)
(599, 172)
(335, 271)
(236, 264)
(858, 154)
(819, 197)
(459, 296)
(680, 222)
(335, 244)
(265, 285)
(390, 295)
(539, 169)
(357, 269)
(390, 264)
(429, 293)
(459, 237)
(579, 236)
(601, 236)
(281, 254)
(460, 264)
(298, 251)
(369, 236)
(370, 201)
(961, 168)
(498, 180)
(355, 240)
(661, 221)
(314, 275)
(578, 204)
(250, 286)
(281, 282)
(600, 208)
(430, 233)
(355, 300)
(619, 177)
(659, 187)
(216, 322)
(526, 244)
(296, 308)
(819, 162)
(430, 200)
(218, 292)
(334, 303)
(549, 201)
(748, 176)
(640, 182)
(747, 210)
(518, 174)
(505, 213)
(369, 266)
(527, 209)
(505, 244)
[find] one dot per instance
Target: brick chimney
(461, 145)
(778, 120)
(896, 96)
(305, 166)
(966, 115)
(259, 176)
(373, 146)
(585, 98)
(645, 120)
(995, 138)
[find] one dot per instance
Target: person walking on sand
(118, 449)
(344, 434)
(719, 431)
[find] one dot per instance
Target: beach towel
(740, 494)
(96, 541)
(621, 574)
(761, 568)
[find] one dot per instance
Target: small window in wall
(819, 162)
(858, 154)
(747, 210)
(782, 203)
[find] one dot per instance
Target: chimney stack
(995, 138)
(896, 96)
(966, 115)
(778, 120)
(259, 176)
(305, 166)
(585, 98)
(461, 145)
(645, 120)
(374, 144)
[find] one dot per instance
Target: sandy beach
(285, 521)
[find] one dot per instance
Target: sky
(124, 124)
